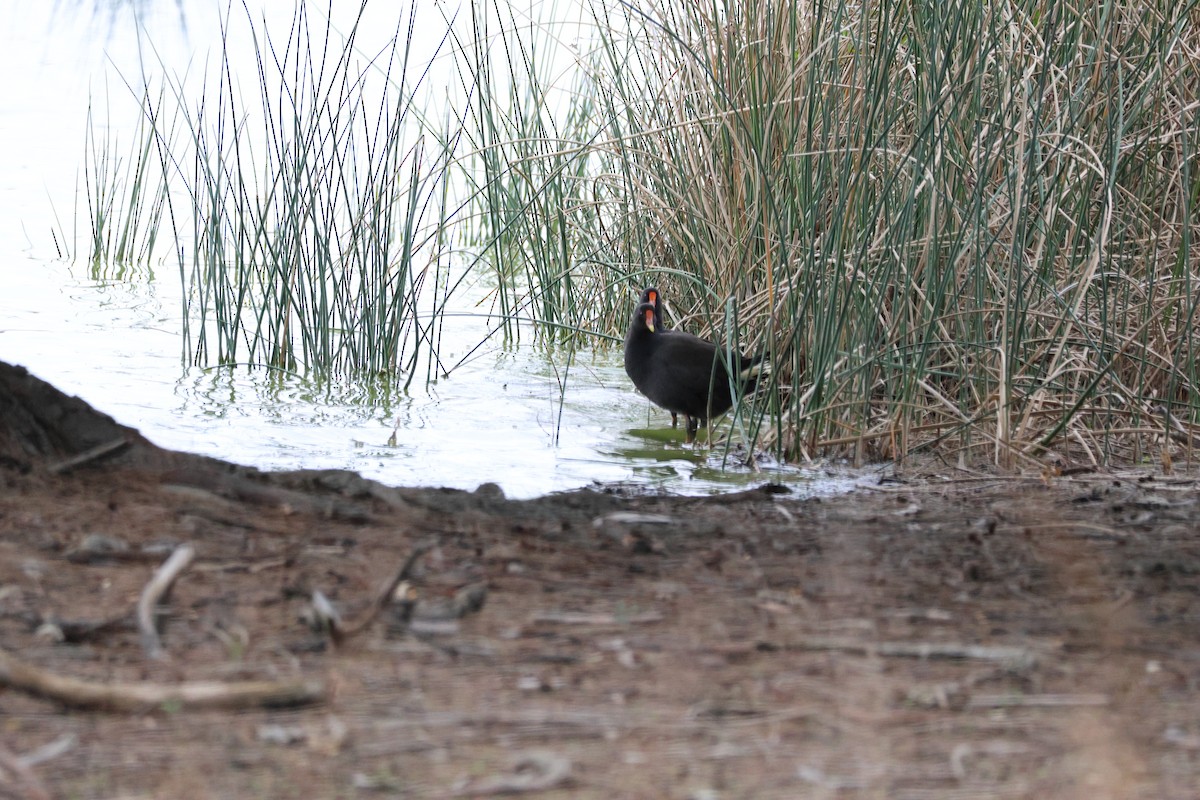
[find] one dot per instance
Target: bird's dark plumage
(681, 372)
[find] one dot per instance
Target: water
(506, 416)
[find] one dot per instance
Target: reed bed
(963, 228)
(307, 218)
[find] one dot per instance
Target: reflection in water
(661, 458)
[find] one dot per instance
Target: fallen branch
(259, 491)
(88, 456)
(140, 697)
(158, 586)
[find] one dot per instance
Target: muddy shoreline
(942, 635)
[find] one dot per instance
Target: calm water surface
(529, 421)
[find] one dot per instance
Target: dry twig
(1016, 656)
(340, 632)
(88, 456)
(1036, 700)
(584, 618)
(140, 697)
(158, 586)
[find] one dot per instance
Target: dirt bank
(938, 636)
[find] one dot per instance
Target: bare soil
(939, 636)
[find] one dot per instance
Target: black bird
(681, 372)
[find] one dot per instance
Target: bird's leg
(692, 424)
(674, 420)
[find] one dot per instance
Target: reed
(306, 219)
(124, 201)
(962, 226)
(530, 168)
(308, 233)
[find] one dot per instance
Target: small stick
(50, 750)
(584, 618)
(159, 585)
(340, 632)
(632, 518)
(140, 697)
(253, 567)
(1017, 656)
(1036, 700)
(88, 456)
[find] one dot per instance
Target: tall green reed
(965, 226)
(530, 166)
(311, 240)
(124, 199)
(304, 199)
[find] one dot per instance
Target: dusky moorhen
(681, 372)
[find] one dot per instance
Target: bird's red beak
(649, 315)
